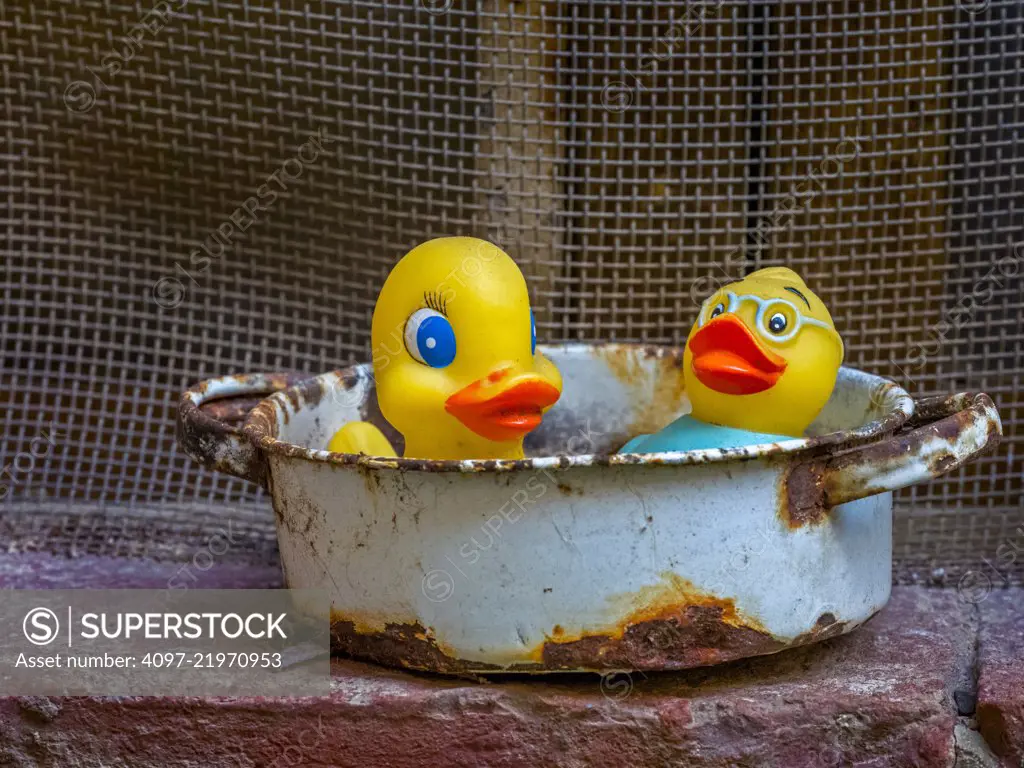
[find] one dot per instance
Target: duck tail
(361, 437)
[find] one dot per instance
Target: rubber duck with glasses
(455, 357)
(760, 363)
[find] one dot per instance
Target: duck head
(455, 353)
(763, 355)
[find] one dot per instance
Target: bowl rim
(260, 426)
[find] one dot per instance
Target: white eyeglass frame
(763, 307)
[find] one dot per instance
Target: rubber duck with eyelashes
(455, 357)
(760, 363)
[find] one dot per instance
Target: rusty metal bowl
(579, 558)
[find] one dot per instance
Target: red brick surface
(1001, 674)
(882, 696)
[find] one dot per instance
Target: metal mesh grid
(629, 155)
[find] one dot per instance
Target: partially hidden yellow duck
(760, 363)
(455, 357)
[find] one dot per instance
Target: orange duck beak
(728, 358)
(502, 412)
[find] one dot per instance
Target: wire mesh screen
(197, 188)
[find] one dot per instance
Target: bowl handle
(210, 416)
(944, 433)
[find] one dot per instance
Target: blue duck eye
(430, 338)
(533, 334)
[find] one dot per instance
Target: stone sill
(933, 680)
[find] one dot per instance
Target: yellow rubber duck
(760, 363)
(455, 357)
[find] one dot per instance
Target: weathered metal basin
(581, 559)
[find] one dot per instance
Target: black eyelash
(794, 290)
(435, 302)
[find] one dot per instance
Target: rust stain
(662, 600)
(262, 419)
(311, 391)
(366, 623)
(939, 446)
(627, 363)
(994, 432)
(372, 481)
(204, 436)
(801, 496)
(231, 411)
(826, 627)
(408, 645)
(930, 409)
(209, 432)
(668, 391)
(350, 377)
(670, 625)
